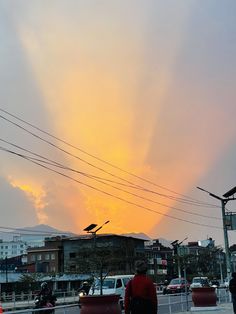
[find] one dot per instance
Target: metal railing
(223, 295)
(168, 304)
(182, 302)
(65, 308)
(18, 301)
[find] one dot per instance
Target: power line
(56, 164)
(112, 195)
(33, 232)
(188, 200)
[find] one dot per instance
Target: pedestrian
(232, 289)
(140, 292)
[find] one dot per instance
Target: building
(82, 254)
(195, 254)
(114, 253)
(159, 257)
(12, 248)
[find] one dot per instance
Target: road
(178, 304)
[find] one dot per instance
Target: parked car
(112, 285)
(199, 282)
(225, 284)
(215, 283)
(177, 285)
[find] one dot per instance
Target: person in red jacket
(140, 292)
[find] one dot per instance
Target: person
(140, 292)
(85, 287)
(46, 295)
(232, 289)
(164, 290)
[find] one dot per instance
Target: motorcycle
(81, 293)
(45, 304)
(83, 290)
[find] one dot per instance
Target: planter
(100, 304)
(204, 296)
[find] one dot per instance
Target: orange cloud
(35, 194)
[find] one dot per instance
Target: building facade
(43, 260)
(114, 253)
(12, 248)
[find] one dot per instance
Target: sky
(135, 102)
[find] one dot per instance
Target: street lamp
(226, 198)
(90, 229)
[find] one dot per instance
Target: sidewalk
(224, 308)
(20, 305)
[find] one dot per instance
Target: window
(118, 283)
(39, 257)
(32, 258)
(126, 280)
(52, 256)
(72, 267)
(53, 268)
(47, 257)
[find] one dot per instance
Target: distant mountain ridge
(35, 232)
(42, 230)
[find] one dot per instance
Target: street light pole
(224, 201)
(90, 229)
(227, 254)
(6, 265)
(176, 245)
(221, 273)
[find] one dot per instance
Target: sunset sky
(139, 97)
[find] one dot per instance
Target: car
(215, 283)
(112, 285)
(177, 285)
(199, 282)
(225, 283)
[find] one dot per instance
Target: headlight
(82, 293)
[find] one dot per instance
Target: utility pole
(6, 266)
(221, 273)
(226, 198)
(176, 245)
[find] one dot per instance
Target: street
(176, 302)
(171, 303)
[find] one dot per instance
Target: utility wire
(188, 200)
(31, 232)
(112, 195)
(53, 163)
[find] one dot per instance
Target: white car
(226, 283)
(199, 282)
(112, 285)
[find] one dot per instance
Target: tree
(30, 281)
